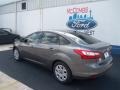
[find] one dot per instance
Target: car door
(6, 37)
(1, 37)
(9, 37)
(28, 48)
(47, 48)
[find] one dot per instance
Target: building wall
(10, 8)
(106, 14)
(8, 21)
(28, 22)
(33, 7)
(52, 15)
(39, 4)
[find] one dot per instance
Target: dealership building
(99, 18)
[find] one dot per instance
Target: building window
(24, 6)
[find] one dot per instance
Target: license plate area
(106, 54)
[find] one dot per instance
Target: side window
(50, 38)
(63, 41)
(35, 37)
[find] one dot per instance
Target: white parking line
(8, 83)
(6, 47)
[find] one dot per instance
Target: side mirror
(24, 40)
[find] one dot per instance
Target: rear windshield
(84, 38)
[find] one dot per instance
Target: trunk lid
(100, 46)
(103, 47)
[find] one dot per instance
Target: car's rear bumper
(92, 69)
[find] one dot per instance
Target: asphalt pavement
(40, 78)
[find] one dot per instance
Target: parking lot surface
(8, 83)
(39, 78)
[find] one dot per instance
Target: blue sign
(81, 22)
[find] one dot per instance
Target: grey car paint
(47, 54)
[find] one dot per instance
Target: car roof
(57, 32)
(63, 32)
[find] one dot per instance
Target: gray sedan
(67, 54)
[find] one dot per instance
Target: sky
(2, 2)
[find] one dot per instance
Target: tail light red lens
(86, 54)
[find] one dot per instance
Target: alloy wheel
(16, 54)
(61, 73)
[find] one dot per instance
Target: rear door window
(50, 38)
(63, 41)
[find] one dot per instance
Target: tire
(16, 55)
(62, 73)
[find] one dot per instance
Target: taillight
(87, 54)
